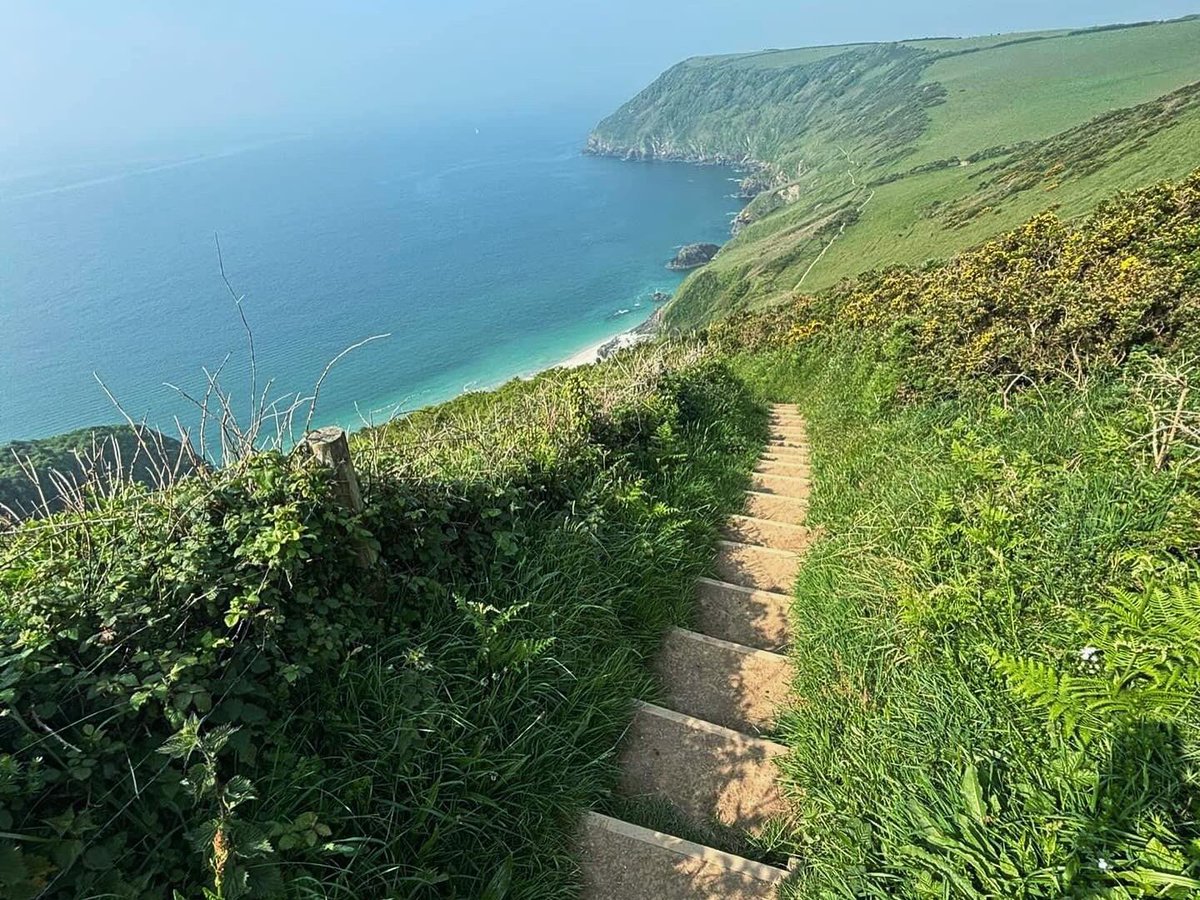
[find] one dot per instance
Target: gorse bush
(1046, 300)
(996, 642)
(204, 688)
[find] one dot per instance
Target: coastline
(604, 349)
(757, 177)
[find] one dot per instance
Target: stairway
(703, 752)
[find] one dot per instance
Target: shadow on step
(743, 615)
(769, 845)
(728, 684)
(708, 772)
(759, 568)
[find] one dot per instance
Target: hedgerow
(205, 689)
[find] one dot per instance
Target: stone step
(783, 442)
(791, 440)
(721, 682)
(782, 485)
(627, 862)
(784, 467)
(776, 507)
(768, 533)
(743, 615)
(801, 449)
(708, 773)
(760, 568)
(788, 455)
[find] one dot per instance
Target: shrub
(203, 687)
(1047, 300)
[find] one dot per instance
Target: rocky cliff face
(663, 149)
(758, 177)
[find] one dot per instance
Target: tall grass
(205, 691)
(986, 705)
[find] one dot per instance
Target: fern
(1129, 703)
(1147, 644)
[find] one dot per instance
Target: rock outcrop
(693, 256)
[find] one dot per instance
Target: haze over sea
(487, 252)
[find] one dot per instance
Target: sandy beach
(608, 347)
(584, 357)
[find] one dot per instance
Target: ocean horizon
(484, 253)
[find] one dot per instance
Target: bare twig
(237, 300)
(312, 407)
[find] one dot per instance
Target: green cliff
(37, 476)
(868, 155)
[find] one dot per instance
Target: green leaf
(12, 866)
(184, 742)
(98, 858)
(973, 794)
(238, 790)
(497, 888)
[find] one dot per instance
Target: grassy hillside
(997, 684)
(236, 685)
(896, 153)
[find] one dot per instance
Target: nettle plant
(234, 847)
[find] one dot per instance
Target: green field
(919, 149)
(1033, 90)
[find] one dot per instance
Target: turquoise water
(483, 255)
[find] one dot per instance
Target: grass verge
(995, 646)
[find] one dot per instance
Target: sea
(458, 256)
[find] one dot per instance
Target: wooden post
(330, 447)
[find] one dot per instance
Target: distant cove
(484, 256)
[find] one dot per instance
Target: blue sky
(77, 73)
